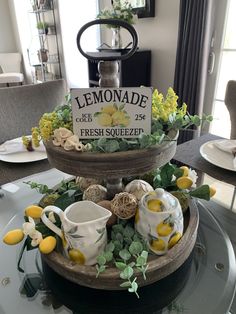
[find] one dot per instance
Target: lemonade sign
(111, 112)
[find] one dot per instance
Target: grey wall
(7, 37)
(159, 34)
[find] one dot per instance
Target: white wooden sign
(111, 112)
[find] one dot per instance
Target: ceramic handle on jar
(48, 222)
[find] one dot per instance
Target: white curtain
(73, 15)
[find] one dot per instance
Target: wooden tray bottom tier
(159, 266)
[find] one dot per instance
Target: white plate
(216, 156)
(25, 156)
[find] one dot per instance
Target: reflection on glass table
(203, 284)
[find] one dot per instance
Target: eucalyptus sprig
(127, 251)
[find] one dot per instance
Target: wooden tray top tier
(159, 266)
(111, 165)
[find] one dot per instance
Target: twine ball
(124, 205)
(95, 193)
(84, 183)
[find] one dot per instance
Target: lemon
(13, 237)
(104, 119)
(212, 191)
(184, 183)
(125, 122)
(77, 256)
(174, 239)
(109, 109)
(47, 245)
(158, 245)
(186, 171)
(164, 229)
(154, 205)
(118, 118)
(33, 211)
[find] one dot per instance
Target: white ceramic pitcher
(83, 228)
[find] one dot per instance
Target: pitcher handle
(48, 222)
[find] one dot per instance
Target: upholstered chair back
(22, 106)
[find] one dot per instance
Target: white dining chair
(10, 66)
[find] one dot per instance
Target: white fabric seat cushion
(11, 77)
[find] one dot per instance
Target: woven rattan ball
(124, 205)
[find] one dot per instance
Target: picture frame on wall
(143, 8)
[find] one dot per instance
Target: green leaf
(144, 254)
(108, 256)
(121, 107)
(110, 247)
(125, 255)
(127, 273)
(101, 260)
(118, 247)
(119, 237)
(65, 199)
(140, 261)
(118, 228)
(134, 287)
(120, 265)
(128, 240)
(96, 114)
(102, 141)
(111, 146)
(178, 173)
(100, 269)
(144, 140)
(166, 174)
(125, 284)
(202, 192)
(196, 120)
(135, 248)
(128, 231)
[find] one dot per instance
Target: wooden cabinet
(133, 72)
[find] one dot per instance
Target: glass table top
(204, 284)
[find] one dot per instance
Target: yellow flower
(163, 108)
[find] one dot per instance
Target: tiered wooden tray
(112, 165)
(115, 166)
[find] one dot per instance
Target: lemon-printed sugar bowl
(159, 220)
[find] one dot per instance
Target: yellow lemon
(33, 211)
(186, 171)
(104, 119)
(13, 237)
(212, 191)
(174, 239)
(184, 183)
(154, 205)
(47, 245)
(118, 117)
(158, 245)
(124, 122)
(109, 109)
(137, 217)
(164, 229)
(77, 256)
